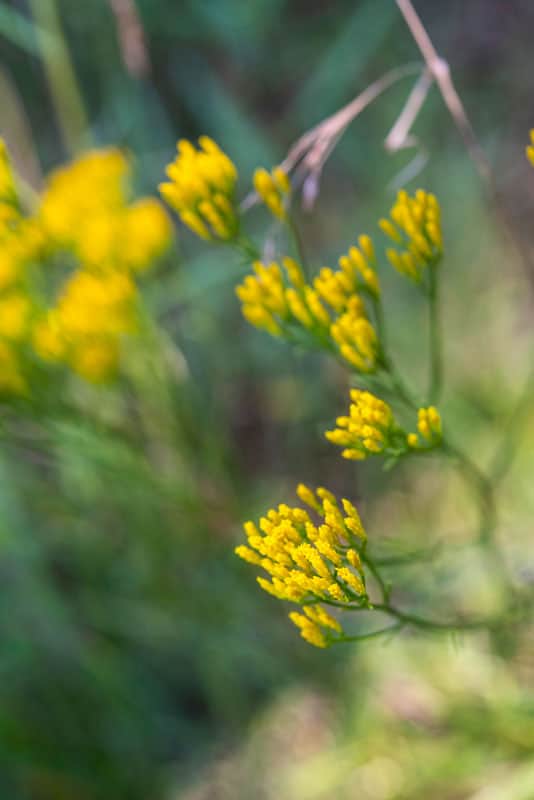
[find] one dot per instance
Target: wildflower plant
(70, 268)
(317, 555)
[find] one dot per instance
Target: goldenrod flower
(93, 185)
(359, 266)
(355, 337)
(201, 189)
(278, 299)
(369, 429)
(429, 427)
(273, 188)
(15, 310)
(310, 560)
(85, 329)
(415, 228)
(530, 148)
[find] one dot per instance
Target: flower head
(310, 557)
(429, 429)
(273, 188)
(414, 227)
(201, 189)
(355, 337)
(359, 266)
(369, 429)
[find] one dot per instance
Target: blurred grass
(138, 659)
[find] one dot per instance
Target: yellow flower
(147, 234)
(201, 189)
(15, 311)
(530, 148)
(273, 188)
(368, 429)
(359, 266)
(415, 227)
(355, 337)
(310, 559)
(93, 185)
(95, 360)
(48, 339)
(429, 427)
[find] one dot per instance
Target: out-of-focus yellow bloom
(309, 560)
(359, 266)
(47, 338)
(273, 188)
(201, 189)
(92, 185)
(147, 233)
(415, 228)
(15, 310)
(85, 329)
(429, 427)
(85, 208)
(530, 148)
(355, 337)
(367, 430)
(96, 360)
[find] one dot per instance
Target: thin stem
(407, 618)
(246, 246)
(436, 357)
(375, 572)
(403, 392)
(298, 244)
(371, 635)
(61, 75)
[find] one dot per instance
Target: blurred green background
(137, 658)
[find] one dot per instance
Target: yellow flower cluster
(85, 210)
(367, 430)
(279, 301)
(307, 561)
(21, 243)
(415, 227)
(84, 330)
(530, 148)
(359, 266)
(273, 188)
(201, 189)
(355, 337)
(429, 427)
(84, 215)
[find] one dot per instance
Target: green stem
(375, 572)
(402, 391)
(429, 624)
(60, 73)
(247, 247)
(436, 357)
(298, 245)
(371, 635)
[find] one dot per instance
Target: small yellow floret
(415, 227)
